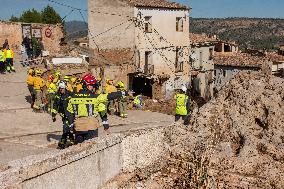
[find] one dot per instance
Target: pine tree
(50, 16)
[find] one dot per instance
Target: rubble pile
(234, 141)
(161, 106)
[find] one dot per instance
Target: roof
(274, 57)
(157, 4)
(239, 60)
(201, 38)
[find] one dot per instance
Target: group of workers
(79, 102)
(6, 58)
(82, 101)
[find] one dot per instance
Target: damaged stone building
(201, 59)
(148, 41)
(51, 35)
(226, 66)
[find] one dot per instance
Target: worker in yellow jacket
(2, 60)
(9, 55)
(38, 86)
(182, 105)
(51, 90)
(68, 84)
(110, 88)
(30, 83)
(122, 102)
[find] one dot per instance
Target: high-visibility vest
(110, 88)
(38, 83)
(137, 100)
(9, 53)
(30, 80)
(181, 102)
(2, 56)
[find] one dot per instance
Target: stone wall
(88, 165)
(13, 32)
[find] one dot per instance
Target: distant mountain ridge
(259, 33)
(76, 29)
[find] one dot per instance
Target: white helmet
(62, 85)
(184, 89)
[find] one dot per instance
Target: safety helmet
(73, 79)
(31, 71)
(38, 72)
(89, 80)
(109, 81)
(120, 85)
(66, 78)
(62, 85)
(184, 89)
(50, 78)
(57, 74)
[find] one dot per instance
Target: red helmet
(89, 79)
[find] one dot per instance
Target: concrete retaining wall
(88, 165)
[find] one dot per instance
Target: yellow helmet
(38, 72)
(31, 71)
(120, 85)
(66, 78)
(73, 79)
(57, 74)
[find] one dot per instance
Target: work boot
(62, 144)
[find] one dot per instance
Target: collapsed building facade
(147, 41)
(201, 59)
(51, 35)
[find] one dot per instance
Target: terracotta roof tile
(157, 4)
(200, 38)
(239, 59)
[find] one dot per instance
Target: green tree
(31, 16)
(14, 19)
(50, 16)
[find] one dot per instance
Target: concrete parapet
(88, 165)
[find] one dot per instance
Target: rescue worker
(30, 83)
(38, 85)
(110, 88)
(84, 108)
(122, 102)
(57, 76)
(78, 85)
(182, 104)
(61, 101)
(51, 90)
(138, 103)
(2, 61)
(68, 84)
(9, 55)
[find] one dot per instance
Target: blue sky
(200, 8)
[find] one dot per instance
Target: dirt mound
(234, 141)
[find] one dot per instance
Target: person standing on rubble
(30, 83)
(110, 88)
(61, 101)
(84, 107)
(5, 44)
(182, 105)
(122, 102)
(38, 86)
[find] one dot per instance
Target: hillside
(76, 29)
(256, 32)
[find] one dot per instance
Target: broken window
(179, 62)
(148, 24)
(179, 24)
(224, 73)
(148, 63)
(211, 54)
